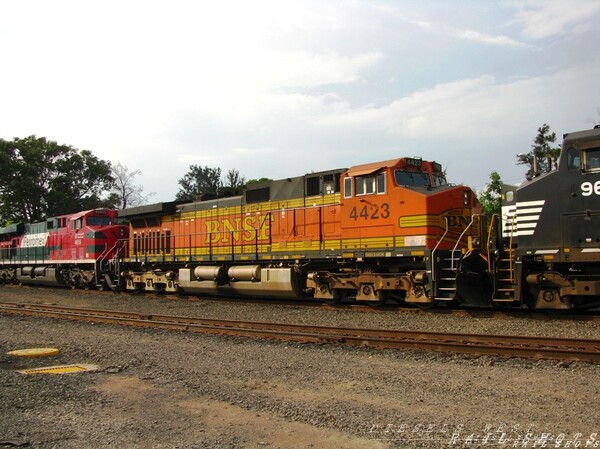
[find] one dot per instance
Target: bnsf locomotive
(370, 232)
(388, 230)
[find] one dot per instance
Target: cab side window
(347, 187)
(592, 159)
(573, 159)
(367, 185)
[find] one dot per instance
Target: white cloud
(458, 33)
(279, 88)
(487, 39)
(548, 18)
(467, 108)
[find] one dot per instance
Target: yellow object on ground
(34, 352)
(60, 369)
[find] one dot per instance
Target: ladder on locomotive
(444, 279)
(108, 269)
(444, 270)
(503, 268)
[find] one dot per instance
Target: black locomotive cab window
(99, 221)
(573, 159)
(371, 184)
(411, 178)
(592, 159)
(347, 187)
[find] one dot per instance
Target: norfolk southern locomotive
(388, 230)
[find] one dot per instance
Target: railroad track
(475, 344)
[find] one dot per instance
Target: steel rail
(475, 344)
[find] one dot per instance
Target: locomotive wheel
(425, 305)
(382, 298)
(339, 294)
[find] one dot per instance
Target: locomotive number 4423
(587, 188)
(375, 212)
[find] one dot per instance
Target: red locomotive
(70, 250)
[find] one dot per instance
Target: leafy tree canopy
(543, 156)
(491, 198)
(206, 181)
(40, 178)
(234, 184)
(254, 181)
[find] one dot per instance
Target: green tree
(254, 181)
(199, 181)
(491, 198)
(543, 157)
(233, 185)
(40, 178)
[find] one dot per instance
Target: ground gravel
(160, 389)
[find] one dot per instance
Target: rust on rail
(474, 344)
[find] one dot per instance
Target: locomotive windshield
(439, 180)
(411, 178)
(99, 221)
(586, 159)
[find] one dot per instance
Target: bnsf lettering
(587, 188)
(457, 221)
(238, 229)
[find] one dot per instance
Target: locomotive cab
(408, 228)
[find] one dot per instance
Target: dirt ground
(159, 390)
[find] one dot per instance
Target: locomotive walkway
(474, 344)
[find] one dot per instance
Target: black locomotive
(546, 253)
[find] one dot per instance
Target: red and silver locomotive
(69, 250)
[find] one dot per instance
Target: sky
(283, 88)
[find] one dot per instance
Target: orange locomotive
(392, 229)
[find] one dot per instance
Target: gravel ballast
(160, 389)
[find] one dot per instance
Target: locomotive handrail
(460, 238)
(510, 250)
(487, 244)
(433, 273)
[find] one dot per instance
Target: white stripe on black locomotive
(521, 218)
